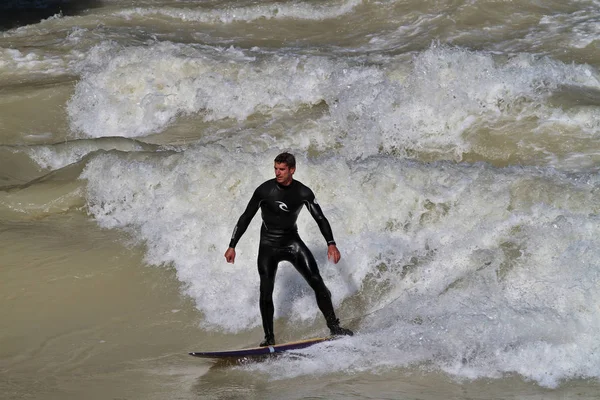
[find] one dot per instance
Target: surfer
(281, 200)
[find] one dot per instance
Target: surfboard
(261, 351)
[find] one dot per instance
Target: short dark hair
(286, 158)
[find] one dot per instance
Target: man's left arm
(315, 210)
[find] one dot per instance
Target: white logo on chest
(282, 206)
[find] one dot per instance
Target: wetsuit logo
(282, 206)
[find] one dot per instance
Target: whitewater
(453, 146)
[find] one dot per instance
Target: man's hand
(333, 253)
(230, 255)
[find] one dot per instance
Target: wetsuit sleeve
(245, 219)
(317, 213)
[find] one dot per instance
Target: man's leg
(306, 264)
(267, 269)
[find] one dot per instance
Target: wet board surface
(261, 351)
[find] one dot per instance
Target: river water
(453, 145)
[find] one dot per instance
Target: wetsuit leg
(267, 269)
(306, 264)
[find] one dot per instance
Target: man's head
(285, 166)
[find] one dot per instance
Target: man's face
(283, 173)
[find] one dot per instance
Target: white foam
(14, 61)
(296, 10)
(583, 27)
(136, 91)
(431, 107)
(59, 155)
(448, 93)
(473, 270)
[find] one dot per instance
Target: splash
(473, 270)
(297, 11)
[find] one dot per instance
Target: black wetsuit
(279, 241)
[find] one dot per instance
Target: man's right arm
(245, 219)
